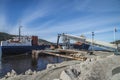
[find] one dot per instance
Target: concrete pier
(35, 54)
(34, 57)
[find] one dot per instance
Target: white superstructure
(24, 41)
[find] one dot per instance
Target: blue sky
(47, 18)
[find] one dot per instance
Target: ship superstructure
(24, 41)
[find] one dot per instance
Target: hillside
(117, 42)
(6, 36)
(42, 41)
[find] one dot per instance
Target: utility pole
(117, 51)
(115, 30)
(92, 41)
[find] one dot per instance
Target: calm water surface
(22, 63)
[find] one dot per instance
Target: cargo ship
(22, 44)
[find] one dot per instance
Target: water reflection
(24, 62)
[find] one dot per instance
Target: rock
(93, 59)
(98, 57)
(10, 74)
(64, 76)
(75, 72)
(88, 60)
(56, 79)
(29, 72)
(70, 74)
(116, 77)
(51, 66)
(34, 72)
(13, 73)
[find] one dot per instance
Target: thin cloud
(78, 25)
(32, 16)
(3, 26)
(98, 6)
(81, 5)
(103, 30)
(42, 9)
(75, 27)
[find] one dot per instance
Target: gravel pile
(97, 69)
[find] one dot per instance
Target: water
(22, 63)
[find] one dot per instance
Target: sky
(47, 18)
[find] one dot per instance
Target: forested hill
(117, 42)
(5, 36)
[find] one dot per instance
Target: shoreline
(94, 68)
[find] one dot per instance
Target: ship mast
(19, 32)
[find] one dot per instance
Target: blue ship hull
(81, 47)
(15, 50)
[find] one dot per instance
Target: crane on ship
(105, 45)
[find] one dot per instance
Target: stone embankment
(94, 68)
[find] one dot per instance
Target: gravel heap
(97, 69)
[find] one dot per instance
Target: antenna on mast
(20, 29)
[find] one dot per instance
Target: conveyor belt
(105, 45)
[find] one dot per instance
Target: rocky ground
(99, 66)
